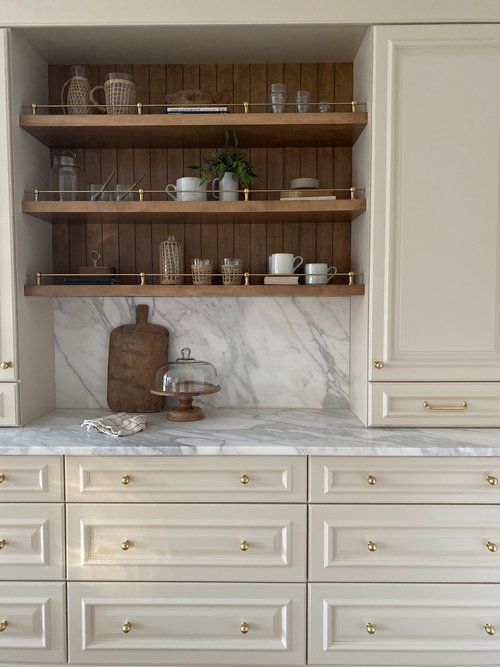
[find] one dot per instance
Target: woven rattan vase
(75, 94)
(171, 262)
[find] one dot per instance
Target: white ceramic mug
(318, 273)
(284, 262)
(227, 186)
(188, 188)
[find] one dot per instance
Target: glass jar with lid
(186, 377)
(64, 176)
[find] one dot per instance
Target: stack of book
(281, 280)
(194, 110)
(304, 195)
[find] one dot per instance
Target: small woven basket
(202, 274)
(231, 274)
(171, 262)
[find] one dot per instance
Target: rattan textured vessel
(171, 262)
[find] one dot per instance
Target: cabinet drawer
(31, 541)
(31, 479)
(406, 543)
(187, 542)
(35, 617)
(189, 479)
(404, 479)
(435, 403)
(8, 404)
(411, 624)
(185, 624)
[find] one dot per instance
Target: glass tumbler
(323, 107)
(302, 100)
(278, 97)
(232, 271)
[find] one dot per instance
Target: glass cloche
(186, 377)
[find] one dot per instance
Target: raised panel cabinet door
(32, 622)
(186, 624)
(427, 543)
(31, 541)
(234, 479)
(7, 299)
(187, 542)
(404, 624)
(435, 285)
(31, 479)
(405, 479)
(9, 411)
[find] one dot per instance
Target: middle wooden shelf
(202, 211)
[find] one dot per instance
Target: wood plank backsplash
(134, 247)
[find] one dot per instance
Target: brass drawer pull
(371, 480)
(2, 544)
(126, 479)
(372, 546)
(244, 479)
(492, 480)
(126, 544)
(244, 546)
(371, 628)
(491, 546)
(378, 364)
(244, 628)
(490, 630)
(455, 408)
(5, 364)
(2, 478)
(126, 627)
(3, 625)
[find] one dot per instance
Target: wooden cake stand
(186, 411)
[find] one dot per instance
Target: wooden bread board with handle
(135, 353)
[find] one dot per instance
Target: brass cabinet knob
(3, 625)
(378, 364)
(5, 364)
(244, 479)
(2, 544)
(244, 546)
(126, 627)
(126, 544)
(371, 628)
(371, 480)
(492, 480)
(490, 630)
(372, 546)
(491, 546)
(2, 478)
(126, 479)
(244, 628)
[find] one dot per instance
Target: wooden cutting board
(135, 352)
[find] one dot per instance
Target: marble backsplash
(268, 352)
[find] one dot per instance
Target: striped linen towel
(116, 425)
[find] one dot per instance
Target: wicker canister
(171, 262)
(202, 272)
(232, 272)
(75, 94)
(119, 94)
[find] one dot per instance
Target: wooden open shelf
(147, 211)
(200, 130)
(192, 290)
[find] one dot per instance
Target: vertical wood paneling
(134, 247)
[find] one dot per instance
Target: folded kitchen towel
(116, 425)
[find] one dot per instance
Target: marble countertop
(230, 431)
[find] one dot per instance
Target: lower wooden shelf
(192, 290)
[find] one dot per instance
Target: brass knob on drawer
(244, 628)
(5, 364)
(378, 364)
(490, 630)
(492, 480)
(3, 625)
(126, 544)
(244, 546)
(491, 546)
(126, 627)
(2, 544)
(372, 546)
(2, 478)
(371, 480)
(244, 479)
(126, 479)
(371, 628)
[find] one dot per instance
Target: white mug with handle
(319, 273)
(284, 263)
(188, 188)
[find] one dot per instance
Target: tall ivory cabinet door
(8, 392)
(435, 185)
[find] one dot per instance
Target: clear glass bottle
(64, 176)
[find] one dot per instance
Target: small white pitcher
(227, 186)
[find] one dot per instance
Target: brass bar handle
(244, 628)
(244, 546)
(455, 408)
(3, 625)
(372, 546)
(126, 544)
(2, 478)
(371, 480)
(371, 628)
(126, 627)
(491, 546)
(492, 480)
(126, 479)
(2, 544)
(244, 479)
(490, 630)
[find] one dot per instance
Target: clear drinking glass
(232, 271)
(122, 192)
(323, 107)
(95, 193)
(302, 100)
(278, 97)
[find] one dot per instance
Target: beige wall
(91, 12)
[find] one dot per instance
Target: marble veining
(269, 352)
(229, 431)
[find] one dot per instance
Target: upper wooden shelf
(151, 211)
(204, 130)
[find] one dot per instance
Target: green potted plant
(227, 169)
